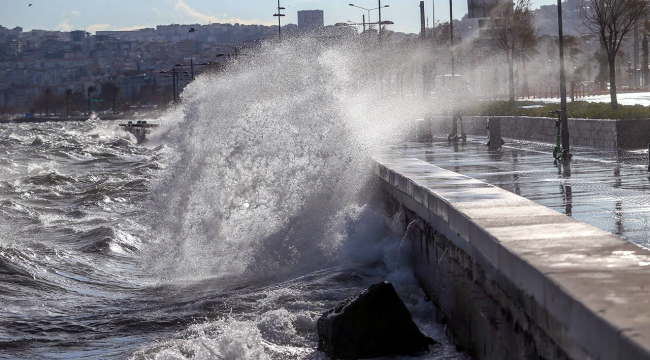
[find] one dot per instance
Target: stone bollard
(494, 127)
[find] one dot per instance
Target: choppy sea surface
(247, 214)
(78, 276)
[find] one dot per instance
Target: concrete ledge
(595, 133)
(515, 279)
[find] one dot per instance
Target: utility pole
(279, 15)
(451, 32)
(423, 37)
(364, 24)
(563, 107)
(174, 83)
(379, 18)
(433, 13)
(423, 28)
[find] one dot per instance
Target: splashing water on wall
(272, 157)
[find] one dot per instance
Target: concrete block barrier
(595, 133)
(514, 279)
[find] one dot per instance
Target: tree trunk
(511, 79)
(646, 60)
(524, 66)
(612, 81)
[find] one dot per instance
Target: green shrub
(577, 109)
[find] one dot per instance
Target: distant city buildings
(38, 60)
(311, 19)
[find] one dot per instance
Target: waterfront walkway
(608, 190)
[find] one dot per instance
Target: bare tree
(513, 32)
(611, 20)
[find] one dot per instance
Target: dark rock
(375, 323)
(37, 142)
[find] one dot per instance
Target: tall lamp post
(192, 65)
(379, 18)
(369, 10)
(566, 153)
(279, 15)
(451, 33)
(174, 75)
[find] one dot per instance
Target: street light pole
(451, 32)
(369, 10)
(563, 106)
(366, 9)
(369, 19)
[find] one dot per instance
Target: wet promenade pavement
(608, 190)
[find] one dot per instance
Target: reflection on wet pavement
(608, 190)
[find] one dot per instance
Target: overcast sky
(93, 15)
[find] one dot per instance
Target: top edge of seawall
(590, 281)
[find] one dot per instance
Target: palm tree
(68, 96)
(514, 34)
(572, 52)
(47, 93)
(91, 89)
(112, 91)
(571, 47)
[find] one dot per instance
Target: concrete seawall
(516, 280)
(596, 133)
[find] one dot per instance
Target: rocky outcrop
(375, 323)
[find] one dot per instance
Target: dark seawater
(79, 248)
